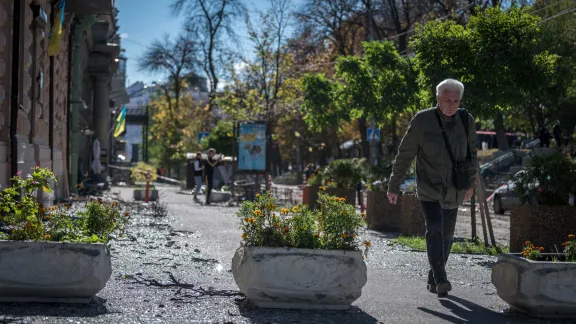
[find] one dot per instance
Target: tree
(498, 56)
(379, 86)
(176, 58)
(210, 21)
(169, 144)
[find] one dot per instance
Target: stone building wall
(6, 9)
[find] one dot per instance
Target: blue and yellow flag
(120, 123)
(56, 33)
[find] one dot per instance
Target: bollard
(147, 186)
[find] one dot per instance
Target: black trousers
(440, 226)
(209, 184)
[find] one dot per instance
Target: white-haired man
(443, 141)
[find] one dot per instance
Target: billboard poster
(252, 147)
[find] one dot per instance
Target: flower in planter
(531, 252)
(334, 225)
(570, 248)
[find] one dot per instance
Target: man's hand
(393, 198)
(469, 194)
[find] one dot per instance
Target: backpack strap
(464, 117)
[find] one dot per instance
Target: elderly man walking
(443, 141)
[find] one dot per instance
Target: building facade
(46, 100)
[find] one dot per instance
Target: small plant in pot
(289, 257)
(69, 247)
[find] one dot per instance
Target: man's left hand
(469, 194)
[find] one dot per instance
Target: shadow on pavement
(96, 308)
(465, 311)
(264, 315)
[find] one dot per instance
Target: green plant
(23, 218)
(377, 176)
(316, 179)
(19, 210)
(570, 248)
(531, 252)
(334, 225)
(549, 178)
(138, 172)
(344, 174)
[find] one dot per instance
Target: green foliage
(554, 175)
(379, 85)
(334, 225)
(23, 219)
(320, 106)
(498, 56)
(377, 176)
(138, 172)
(570, 248)
(345, 173)
(221, 138)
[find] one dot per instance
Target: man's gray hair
(450, 85)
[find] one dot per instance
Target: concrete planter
(52, 271)
(380, 214)
(311, 195)
(412, 221)
(538, 288)
(140, 195)
(299, 278)
(546, 226)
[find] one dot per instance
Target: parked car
(506, 196)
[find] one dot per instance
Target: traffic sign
(373, 135)
(201, 135)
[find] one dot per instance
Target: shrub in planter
(68, 248)
(539, 284)
(300, 258)
(343, 174)
(545, 185)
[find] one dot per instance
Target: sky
(142, 21)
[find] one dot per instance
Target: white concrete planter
(299, 278)
(538, 288)
(52, 271)
(140, 195)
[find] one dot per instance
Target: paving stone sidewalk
(196, 244)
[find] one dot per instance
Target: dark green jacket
(423, 141)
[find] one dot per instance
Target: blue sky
(142, 21)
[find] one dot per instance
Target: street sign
(201, 135)
(373, 135)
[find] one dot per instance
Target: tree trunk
(363, 136)
(501, 132)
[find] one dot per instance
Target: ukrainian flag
(120, 123)
(56, 33)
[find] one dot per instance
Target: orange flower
(244, 235)
(53, 208)
(363, 215)
(126, 214)
(322, 188)
(286, 229)
(527, 243)
(295, 209)
(353, 235)
(571, 236)
(47, 236)
(344, 235)
(541, 249)
(367, 243)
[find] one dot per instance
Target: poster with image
(252, 147)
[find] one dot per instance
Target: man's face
(211, 154)
(449, 102)
(198, 156)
